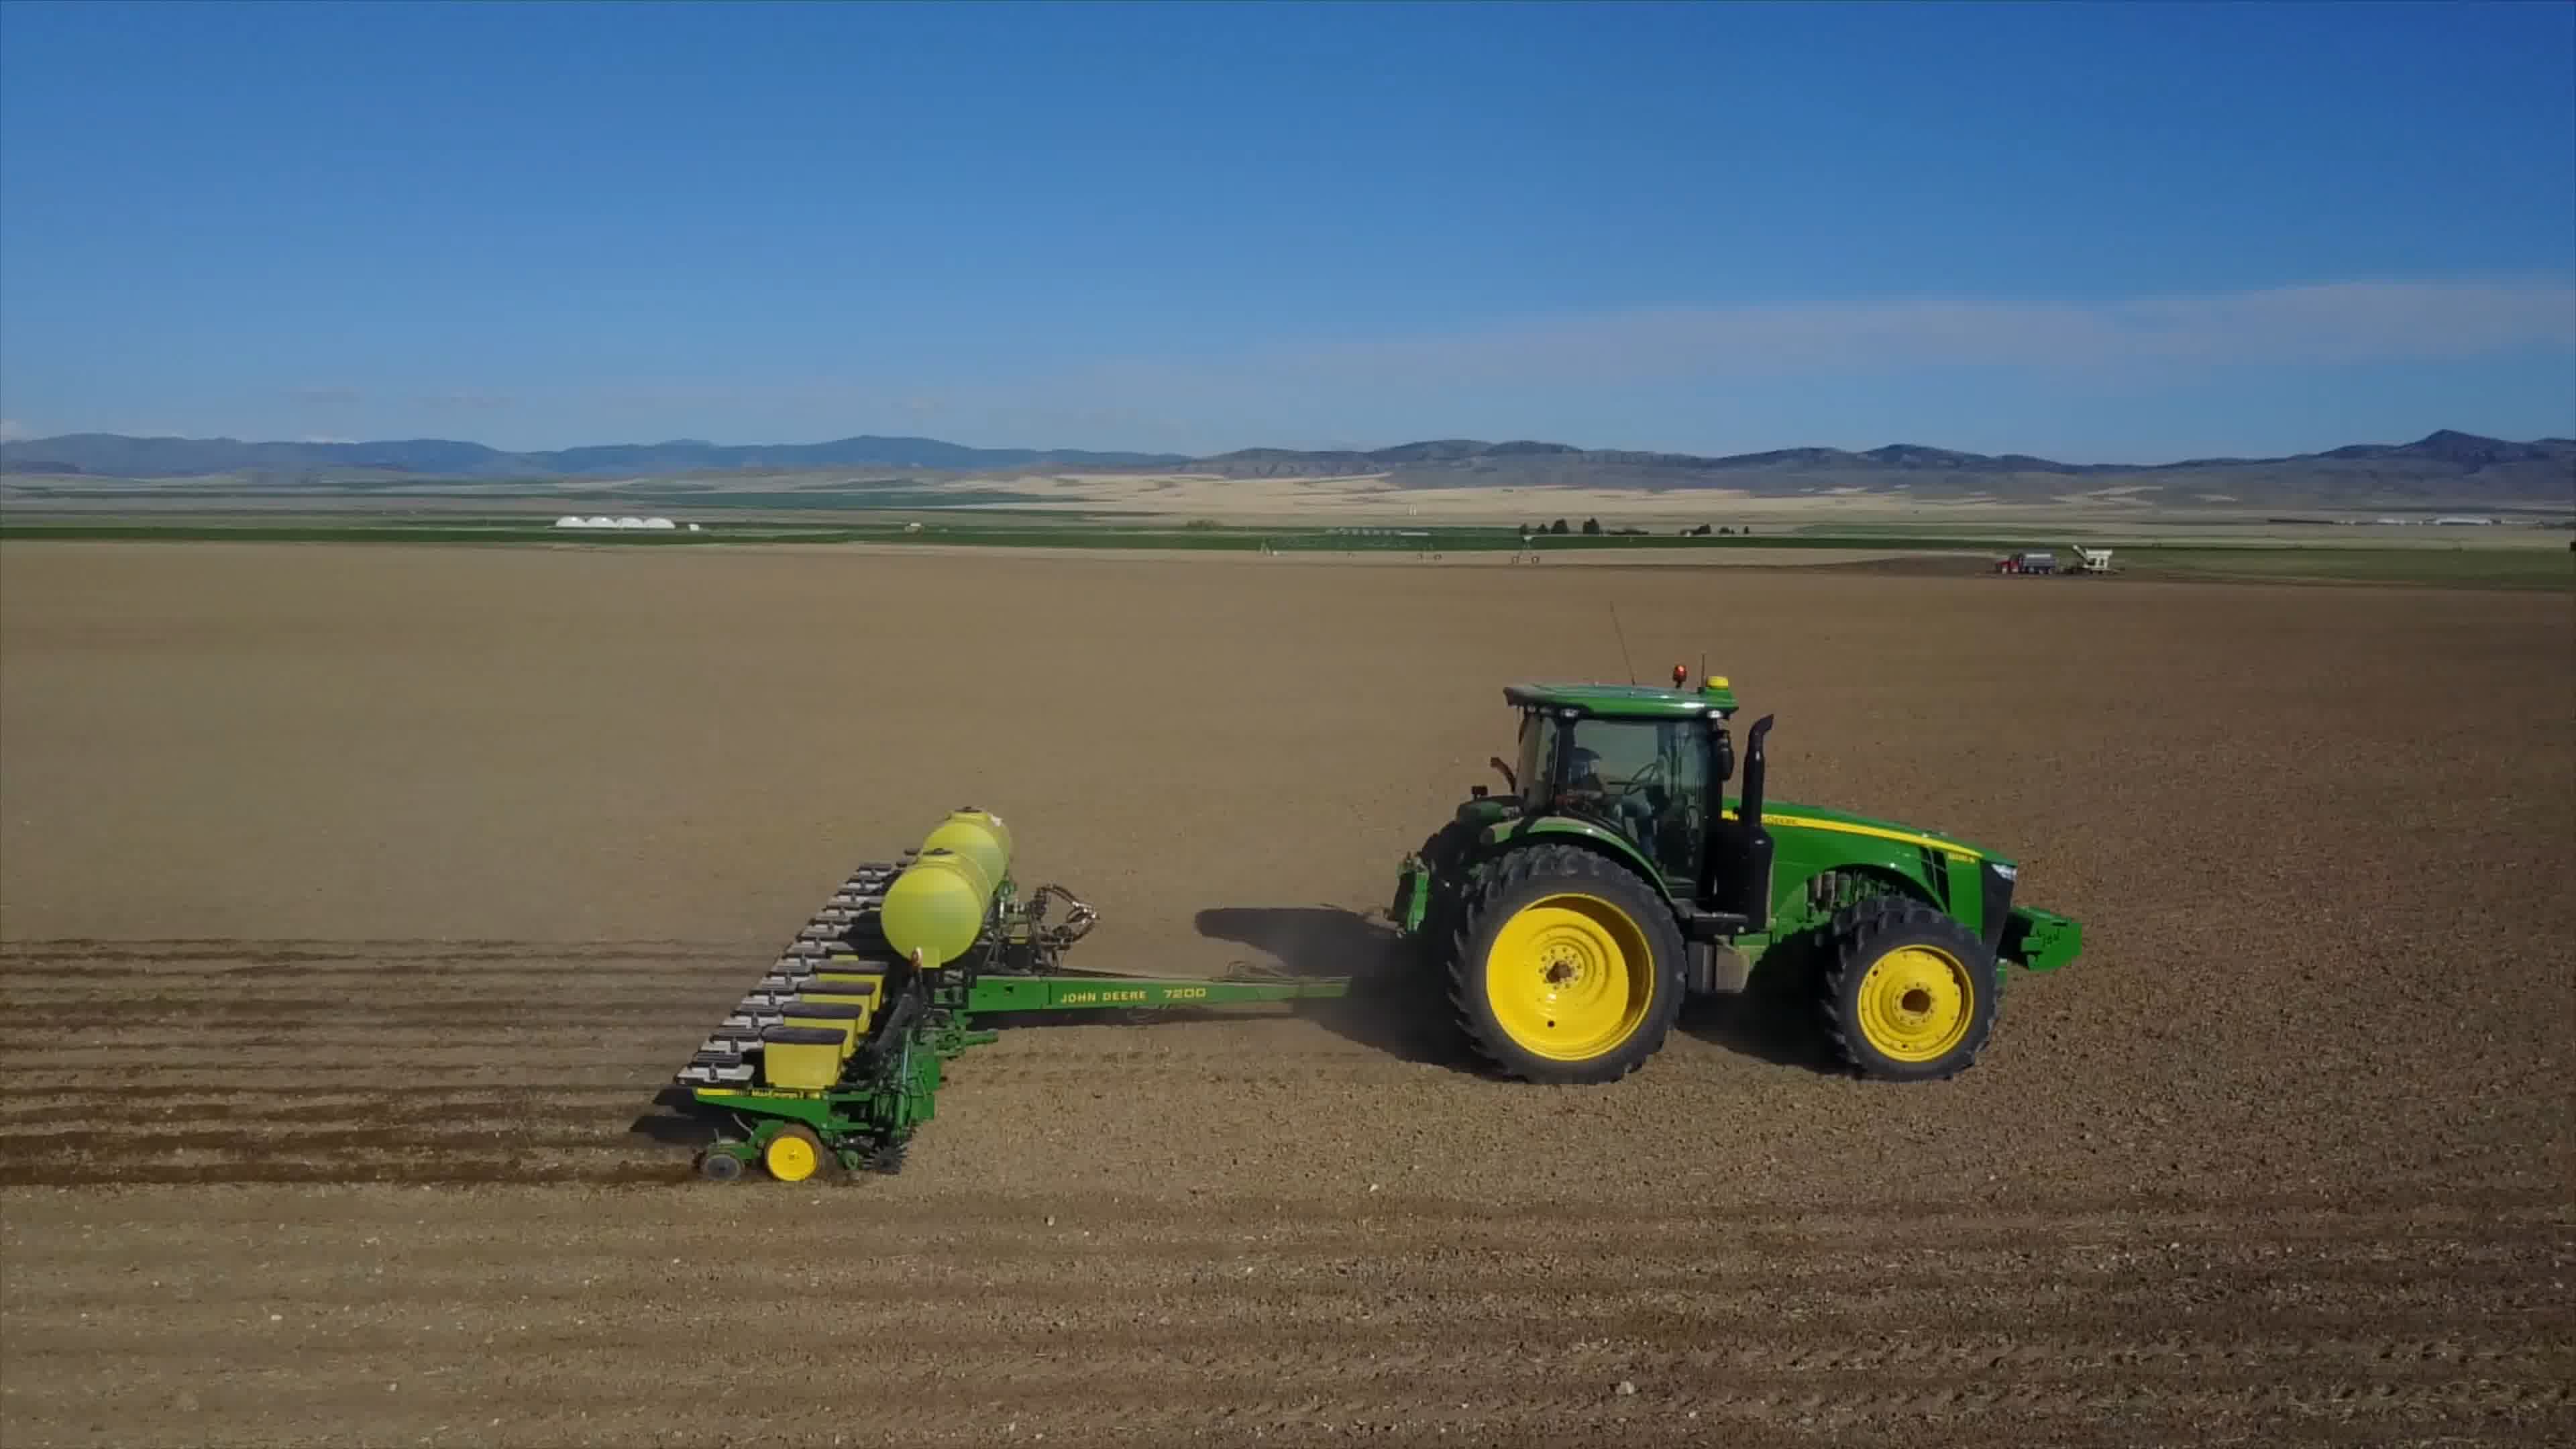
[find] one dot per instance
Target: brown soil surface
(355, 905)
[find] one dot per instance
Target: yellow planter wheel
(794, 1155)
(1909, 993)
(1566, 967)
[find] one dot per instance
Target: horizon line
(15, 439)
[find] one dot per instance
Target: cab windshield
(1646, 779)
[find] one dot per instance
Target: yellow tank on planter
(936, 908)
(978, 835)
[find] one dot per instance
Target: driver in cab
(1586, 791)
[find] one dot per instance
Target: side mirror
(1505, 771)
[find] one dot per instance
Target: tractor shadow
(1394, 1005)
(1774, 1018)
(1401, 1008)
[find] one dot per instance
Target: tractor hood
(1790, 815)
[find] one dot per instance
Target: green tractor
(1574, 912)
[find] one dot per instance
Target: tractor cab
(1650, 766)
(1642, 762)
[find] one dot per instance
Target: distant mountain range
(115, 455)
(2442, 467)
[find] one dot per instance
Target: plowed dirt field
(357, 903)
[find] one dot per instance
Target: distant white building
(602, 520)
(2462, 519)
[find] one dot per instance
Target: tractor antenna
(1623, 643)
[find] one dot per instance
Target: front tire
(1909, 993)
(1565, 967)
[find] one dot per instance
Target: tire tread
(1862, 932)
(1493, 897)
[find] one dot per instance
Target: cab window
(1648, 780)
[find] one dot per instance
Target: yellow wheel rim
(1915, 1003)
(790, 1157)
(1569, 977)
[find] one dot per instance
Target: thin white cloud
(11, 430)
(2331, 323)
(1229, 395)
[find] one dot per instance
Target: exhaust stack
(1750, 811)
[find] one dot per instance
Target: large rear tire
(1909, 994)
(1565, 967)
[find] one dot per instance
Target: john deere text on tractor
(1572, 913)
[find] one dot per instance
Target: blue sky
(2091, 231)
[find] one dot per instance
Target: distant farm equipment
(2045, 561)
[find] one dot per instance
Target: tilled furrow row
(140, 1128)
(393, 1052)
(498, 1153)
(821, 1292)
(1744, 1352)
(70, 951)
(143, 1148)
(369, 976)
(1249, 1388)
(211, 1024)
(977, 1226)
(586, 1169)
(23, 1102)
(458, 1069)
